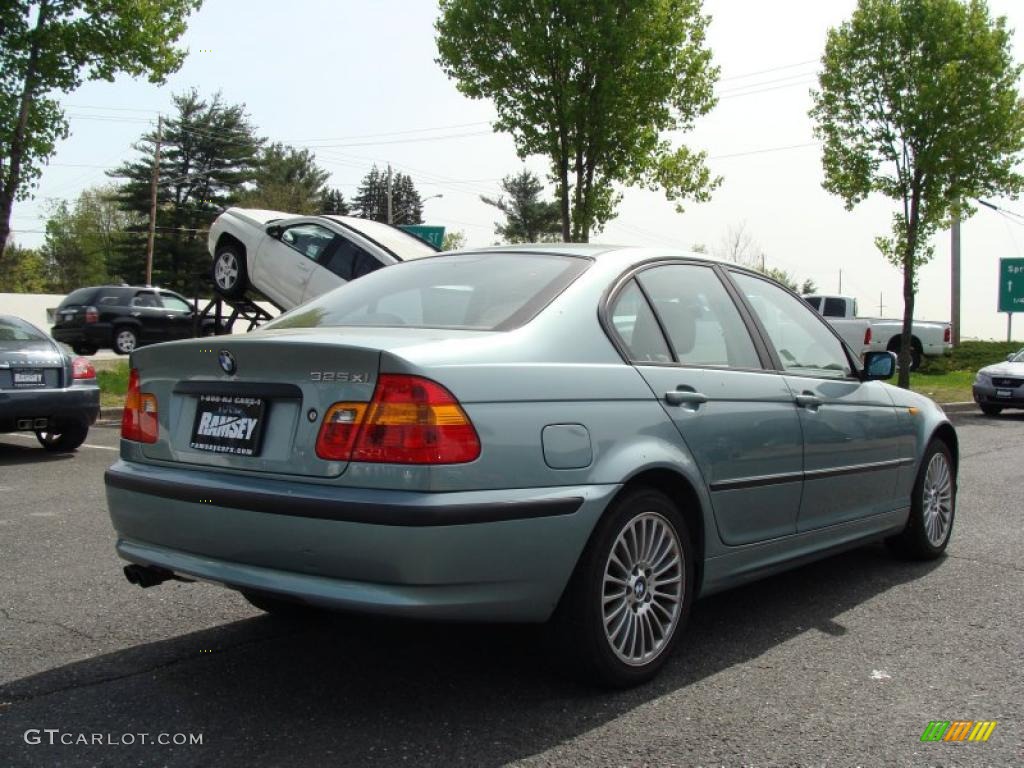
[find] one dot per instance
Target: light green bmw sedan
(584, 435)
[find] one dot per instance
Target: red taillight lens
(947, 335)
(82, 369)
(92, 315)
(867, 335)
(411, 420)
(139, 420)
(339, 431)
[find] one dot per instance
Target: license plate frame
(221, 424)
(37, 380)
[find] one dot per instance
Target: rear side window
(638, 328)
(834, 307)
(486, 292)
(348, 261)
(702, 322)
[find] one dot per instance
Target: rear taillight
(410, 420)
(867, 335)
(947, 335)
(82, 369)
(139, 420)
(92, 315)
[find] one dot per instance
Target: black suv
(123, 317)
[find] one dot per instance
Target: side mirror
(274, 231)
(879, 365)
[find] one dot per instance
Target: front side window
(700, 318)
(311, 240)
(174, 303)
(804, 343)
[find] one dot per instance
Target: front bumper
(989, 395)
(79, 401)
(474, 555)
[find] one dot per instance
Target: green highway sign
(435, 235)
(1011, 285)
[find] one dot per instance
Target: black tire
(915, 358)
(64, 437)
(279, 606)
(578, 626)
(84, 349)
(125, 340)
(990, 410)
(229, 273)
(923, 538)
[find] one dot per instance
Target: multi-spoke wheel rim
(643, 586)
(226, 272)
(126, 341)
(937, 500)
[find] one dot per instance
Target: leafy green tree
(333, 202)
(593, 85)
(453, 240)
(918, 101)
(808, 287)
(53, 46)
(83, 238)
(24, 271)
(287, 179)
(528, 219)
(209, 155)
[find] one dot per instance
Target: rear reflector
(410, 420)
(139, 421)
(82, 369)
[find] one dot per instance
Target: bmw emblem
(227, 362)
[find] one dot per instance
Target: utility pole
(390, 217)
(954, 314)
(152, 200)
(881, 306)
(840, 281)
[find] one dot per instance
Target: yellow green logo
(958, 730)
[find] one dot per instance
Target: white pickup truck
(926, 338)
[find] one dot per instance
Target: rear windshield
(485, 292)
(81, 296)
(13, 329)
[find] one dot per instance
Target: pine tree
(333, 203)
(209, 153)
(528, 219)
(287, 179)
(371, 201)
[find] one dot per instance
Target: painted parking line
(83, 445)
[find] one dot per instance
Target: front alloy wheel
(932, 506)
(229, 273)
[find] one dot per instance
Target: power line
(772, 69)
(766, 150)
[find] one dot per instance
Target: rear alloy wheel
(125, 341)
(63, 438)
(932, 507)
(630, 595)
(229, 272)
(991, 410)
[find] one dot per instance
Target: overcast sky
(357, 82)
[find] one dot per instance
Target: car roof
(619, 254)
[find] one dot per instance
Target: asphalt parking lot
(842, 662)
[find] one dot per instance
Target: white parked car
(291, 259)
(926, 339)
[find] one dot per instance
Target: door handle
(808, 401)
(686, 397)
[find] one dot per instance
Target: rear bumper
(92, 334)
(502, 555)
(75, 402)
